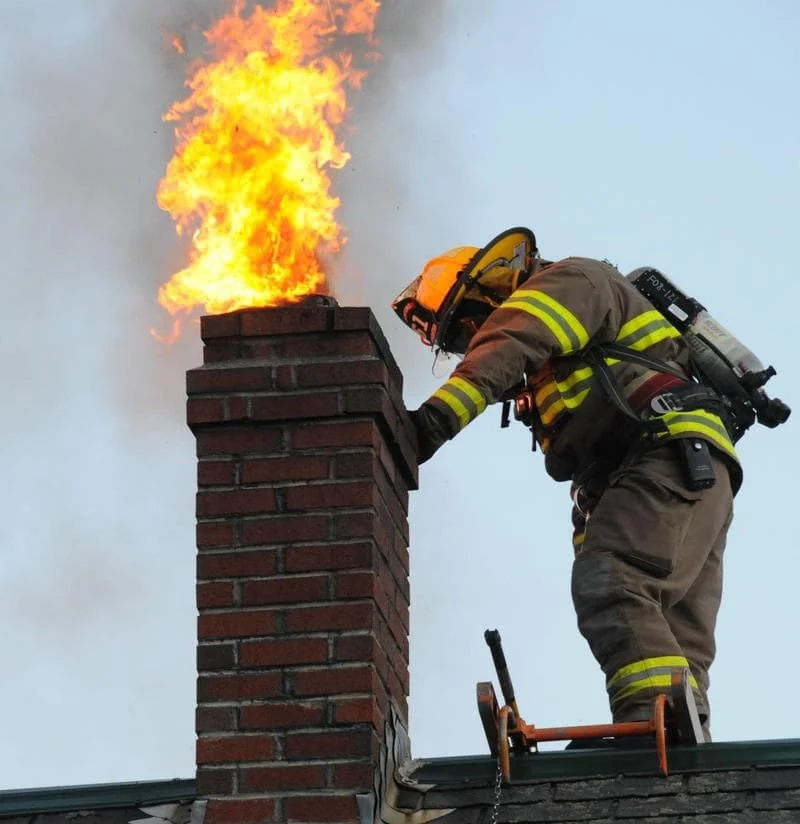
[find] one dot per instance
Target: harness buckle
(666, 402)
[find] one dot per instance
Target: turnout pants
(647, 579)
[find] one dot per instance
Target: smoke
(98, 466)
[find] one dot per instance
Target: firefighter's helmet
(460, 288)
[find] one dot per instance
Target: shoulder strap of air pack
(691, 396)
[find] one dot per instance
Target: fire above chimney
(304, 466)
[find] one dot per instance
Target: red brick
(236, 624)
(243, 440)
(362, 464)
(283, 590)
(233, 748)
(355, 525)
(220, 326)
(344, 344)
(369, 400)
(401, 550)
(239, 810)
(342, 372)
(329, 496)
(285, 320)
(215, 781)
(398, 691)
(281, 778)
(284, 529)
(222, 351)
(215, 719)
(215, 534)
(361, 585)
(282, 715)
(216, 656)
(205, 410)
(280, 652)
(338, 616)
(349, 433)
(328, 557)
(323, 808)
(238, 378)
(355, 317)
(289, 407)
(398, 630)
(235, 502)
(354, 584)
(295, 468)
(313, 746)
(358, 711)
(237, 564)
(215, 473)
(334, 680)
(210, 595)
(402, 612)
(212, 688)
(353, 776)
(359, 647)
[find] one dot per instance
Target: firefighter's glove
(430, 427)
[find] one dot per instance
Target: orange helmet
(465, 281)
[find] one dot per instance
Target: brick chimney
(304, 467)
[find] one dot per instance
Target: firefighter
(652, 467)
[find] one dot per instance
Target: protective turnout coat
(540, 332)
(647, 577)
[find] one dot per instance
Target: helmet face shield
(458, 290)
(417, 317)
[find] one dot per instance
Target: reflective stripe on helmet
(648, 673)
(460, 398)
(564, 326)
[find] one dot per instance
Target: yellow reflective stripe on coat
(548, 402)
(646, 330)
(575, 387)
(564, 326)
(645, 674)
(462, 398)
(703, 424)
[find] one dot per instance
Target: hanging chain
(498, 785)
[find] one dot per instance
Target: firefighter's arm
(554, 313)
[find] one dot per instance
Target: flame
(256, 137)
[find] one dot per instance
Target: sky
(659, 133)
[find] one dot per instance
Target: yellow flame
(256, 137)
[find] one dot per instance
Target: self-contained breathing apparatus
(727, 377)
(718, 359)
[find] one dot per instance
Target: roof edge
(600, 763)
(96, 796)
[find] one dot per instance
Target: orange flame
(256, 137)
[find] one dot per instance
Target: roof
(717, 783)
(744, 782)
(145, 801)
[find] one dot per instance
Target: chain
(498, 784)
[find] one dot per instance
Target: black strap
(615, 350)
(595, 356)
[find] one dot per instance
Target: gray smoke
(96, 580)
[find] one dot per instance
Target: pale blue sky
(663, 133)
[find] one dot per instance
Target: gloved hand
(430, 427)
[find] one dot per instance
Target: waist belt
(683, 396)
(684, 399)
(651, 388)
